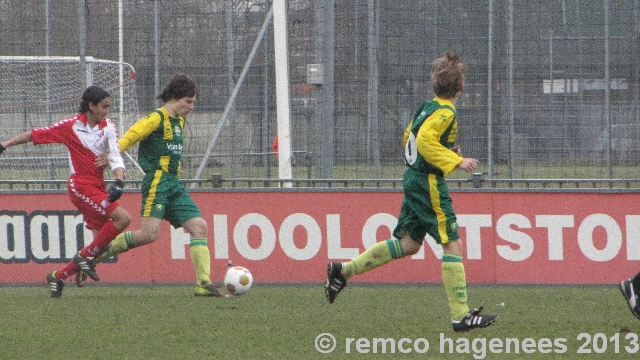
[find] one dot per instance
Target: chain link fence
(552, 86)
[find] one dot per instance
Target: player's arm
(467, 164)
(116, 189)
(429, 146)
(118, 173)
(407, 132)
(23, 138)
(139, 131)
(115, 157)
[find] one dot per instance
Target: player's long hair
(92, 95)
(447, 75)
(179, 86)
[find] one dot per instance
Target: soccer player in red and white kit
(89, 135)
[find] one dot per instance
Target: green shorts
(164, 197)
(426, 209)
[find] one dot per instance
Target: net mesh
(38, 91)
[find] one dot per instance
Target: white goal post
(36, 91)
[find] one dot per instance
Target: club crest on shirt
(177, 130)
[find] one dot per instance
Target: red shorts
(90, 197)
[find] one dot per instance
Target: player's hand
(2, 148)
(101, 161)
(456, 149)
(468, 164)
(115, 190)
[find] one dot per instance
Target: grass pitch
(284, 321)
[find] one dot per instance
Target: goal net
(38, 91)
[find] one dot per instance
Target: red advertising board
(289, 236)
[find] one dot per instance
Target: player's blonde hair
(447, 75)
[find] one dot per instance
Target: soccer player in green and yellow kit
(160, 136)
(430, 155)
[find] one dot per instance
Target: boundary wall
(288, 236)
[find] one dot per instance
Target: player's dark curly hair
(447, 75)
(179, 86)
(92, 95)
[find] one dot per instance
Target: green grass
(282, 322)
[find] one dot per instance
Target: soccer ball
(238, 280)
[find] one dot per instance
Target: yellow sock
(120, 244)
(377, 255)
(455, 282)
(201, 260)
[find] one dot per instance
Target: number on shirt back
(411, 150)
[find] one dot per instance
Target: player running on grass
(88, 136)
(426, 207)
(160, 137)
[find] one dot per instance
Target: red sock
(100, 243)
(67, 270)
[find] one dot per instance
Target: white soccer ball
(238, 280)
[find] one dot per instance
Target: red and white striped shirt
(85, 144)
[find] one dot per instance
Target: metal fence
(552, 87)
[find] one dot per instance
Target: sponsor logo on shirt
(175, 148)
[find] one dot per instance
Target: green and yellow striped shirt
(160, 138)
(430, 136)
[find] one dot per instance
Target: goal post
(37, 91)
